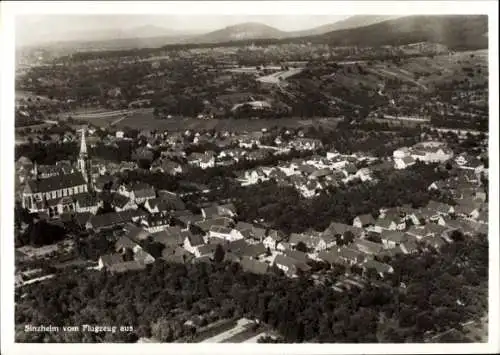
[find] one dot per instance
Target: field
(143, 119)
(421, 72)
(281, 75)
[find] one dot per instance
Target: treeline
(158, 301)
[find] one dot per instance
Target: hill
(457, 32)
(243, 31)
(350, 22)
(454, 31)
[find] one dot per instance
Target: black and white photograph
(250, 173)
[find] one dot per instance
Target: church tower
(84, 161)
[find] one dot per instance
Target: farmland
(144, 119)
(275, 78)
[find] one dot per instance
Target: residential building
(192, 243)
(225, 233)
(363, 221)
(392, 239)
(404, 163)
(156, 222)
(381, 268)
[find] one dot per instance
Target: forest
(442, 290)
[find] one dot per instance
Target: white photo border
(10, 9)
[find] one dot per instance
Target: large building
(60, 193)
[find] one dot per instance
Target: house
(381, 268)
(227, 210)
(467, 210)
(135, 233)
(305, 144)
(363, 221)
(332, 155)
(391, 239)
(172, 200)
(120, 202)
(171, 236)
(351, 256)
(106, 261)
(422, 215)
(142, 192)
(253, 235)
(482, 217)
(107, 220)
(385, 224)
(225, 233)
(401, 153)
(419, 232)
(169, 167)
(255, 251)
(480, 196)
(409, 247)
(123, 244)
(156, 222)
(428, 154)
(143, 257)
(205, 250)
(103, 182)
(305, 238)
(297, 255)
(341, 229)
(440, 208)
(438, 185)
(209, 212)
(437, 230)
(253, 266)
(467, 162)
(192, 242)
(157, 205)
(404, 163)
(368, 247)
(176, 255)
(332, 257)
(237, 246)
(250, 140)
(187, 219)
(272, 239)
(206, 225)
(202, 160)
(251, 177)
(256, 155)
(434, 242)
(86, 203)
(289, 265)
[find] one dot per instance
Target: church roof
(57, 182)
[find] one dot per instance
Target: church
(62, 193)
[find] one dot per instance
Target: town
(256, 197)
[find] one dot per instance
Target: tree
(301, 247)
(219, 254)
(128, 255)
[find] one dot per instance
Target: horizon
(43, 29)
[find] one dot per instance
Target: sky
(35, 29)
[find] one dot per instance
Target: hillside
(456, 32)
(244, 31)
(348, 23)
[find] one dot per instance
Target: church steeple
(83, 145)
(35, 171)
(83, 160)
